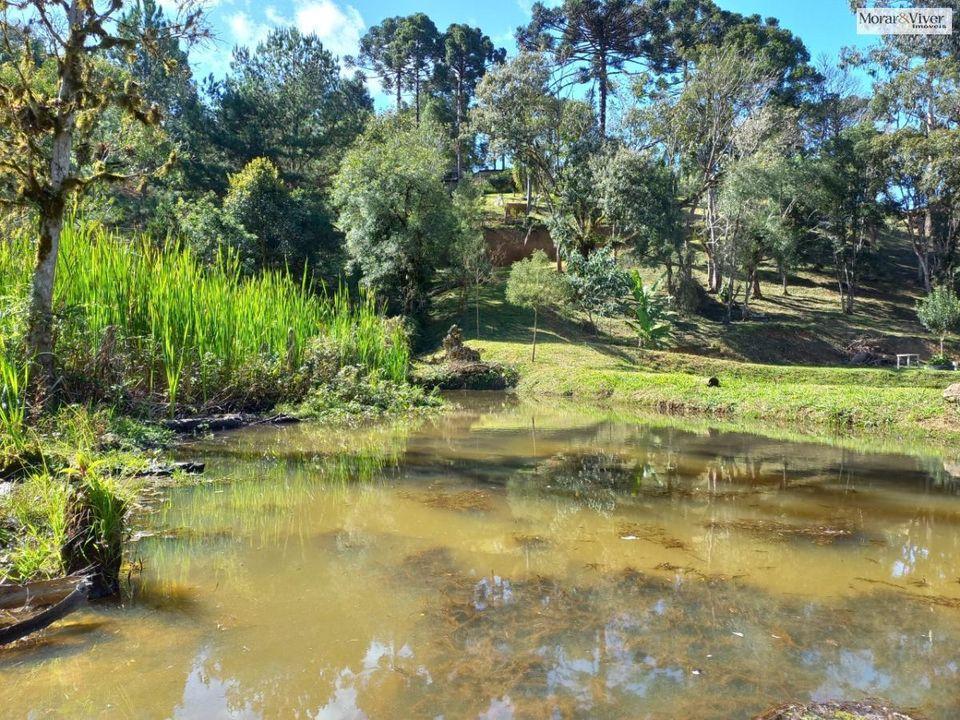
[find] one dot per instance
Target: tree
(469, 256)
(719, 114)
(915, 95)
(939, 312)
(259, 201)
(207, 230)
(521, 116)
(598, 285)
(596, 40)
(402, 52)
(48, 109)
(395, 211)
(637, 195)
(467, 53)
(533, 283)
(289, 101)
(844, 198)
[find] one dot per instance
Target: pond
(507, 560)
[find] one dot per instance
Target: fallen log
(38, 621)
(213, 423)
(38, 593)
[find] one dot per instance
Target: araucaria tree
(402, 52)
(55, 88)
(596, 40)
(397, 215)
(467, 53)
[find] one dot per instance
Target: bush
(598, 285)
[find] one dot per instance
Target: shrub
(939, 312)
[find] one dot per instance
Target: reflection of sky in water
(855, 674)
(379, 656)
(909, 554)
(205, 697)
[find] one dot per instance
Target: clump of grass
(141, 322)
(351, 396)
(36, 509)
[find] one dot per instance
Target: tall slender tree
(596, 40)
(467, 53)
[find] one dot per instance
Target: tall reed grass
(196, 333)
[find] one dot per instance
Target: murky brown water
(511, 561)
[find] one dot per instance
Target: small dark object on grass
(868, 710)
(713, 382)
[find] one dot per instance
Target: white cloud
(339, 28)
(245, 31)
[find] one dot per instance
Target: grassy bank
(144, 333)
(607, 366)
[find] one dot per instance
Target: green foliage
(398, 218)
(353, 396)
(598, 285)
(534, 283)
(652, 319)
(145, 323)
(638, 198)
(208, 231)
(259, 201)
(288, 101)
(939, 312)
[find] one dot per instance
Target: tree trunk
(40, 319)
(399, 98)
(416, 95)
(783, 282)
(529, 184)
(40, 324)
(757, 294)
(603, 94)
(533, 356)
(459, 120)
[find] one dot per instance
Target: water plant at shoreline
(143, 325)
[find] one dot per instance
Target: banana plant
(652, 317)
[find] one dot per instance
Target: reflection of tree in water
(627, 642)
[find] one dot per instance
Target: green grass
(607, 366)
(156, 325)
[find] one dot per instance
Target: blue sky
(824, 25)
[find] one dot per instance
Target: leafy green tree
(259, 201)
(467, 53)
(534, 283)
(638, 197)
(521, 117)
(469, 256)
(596, 40)
(652, 318)
(721, 111)
(207, 230)
(395, 211)
(916, 94)
(939, 312)
(598, 285)
(843, 196)
(288, 101)
(49, 109)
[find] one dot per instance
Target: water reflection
(506, 561)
